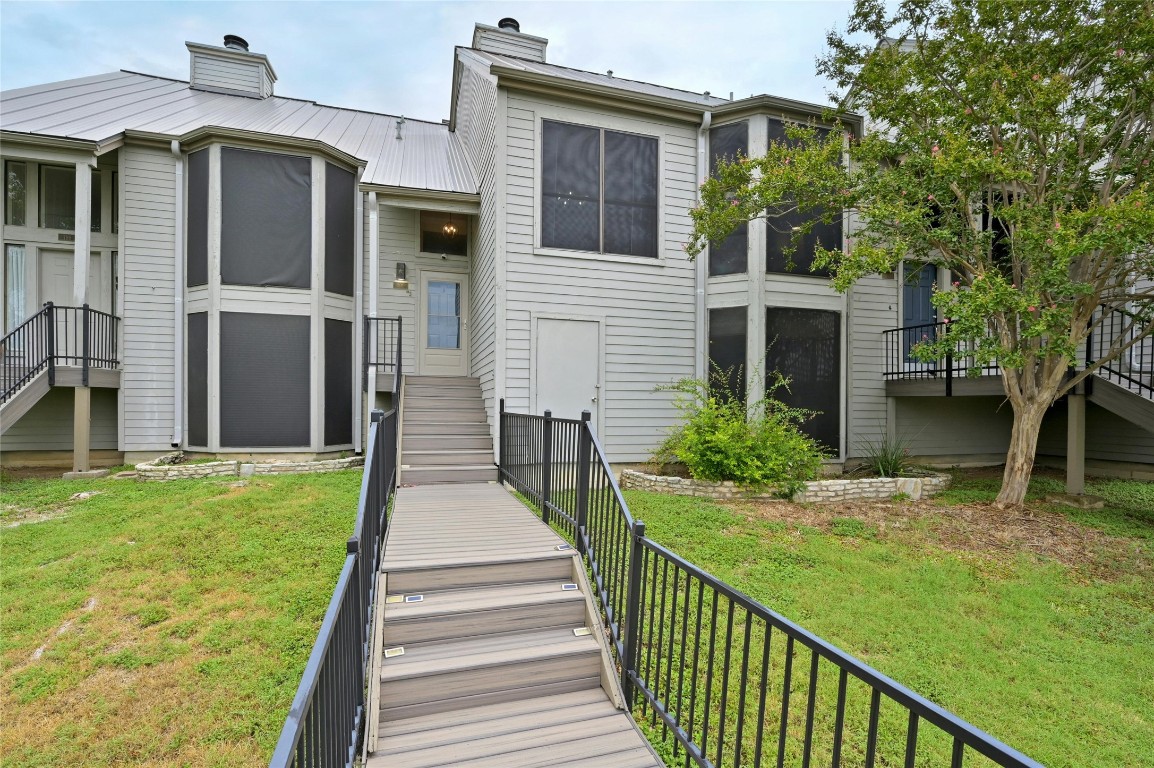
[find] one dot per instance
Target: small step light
(569, 587)
(414, 598)
(563, 547)
(395, 599)
(391, 653)
(582, 632)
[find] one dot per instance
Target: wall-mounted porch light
(401, 283)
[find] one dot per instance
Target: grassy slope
(188, 611)
(1048, 658)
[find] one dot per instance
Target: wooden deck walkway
(492, 651)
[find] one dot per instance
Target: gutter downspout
(701, 263)
(358, 313)
(178, 301)
(374, 290)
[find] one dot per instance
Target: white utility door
(568, 367)
(443, 348)
(56, 280)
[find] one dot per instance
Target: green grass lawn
(1037, 627)
(162, 623)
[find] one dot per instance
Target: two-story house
(254, 267)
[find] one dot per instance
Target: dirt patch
(975, 528)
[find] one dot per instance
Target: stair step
(554, 565)
(442, 390)
(449, 474)
(424, 403)
(460, 613)
(449, 442)
(442, 380)
(444, 416)
(451, 428)
(438, 673)
(445, 458)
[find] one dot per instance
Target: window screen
(805, 345)
(727, 333)
(266, 219)
(630, 194)
(198, 379)
(444, 233)
(16, 185)
(338, 382)
(197, 256)
(58, 198)
(779, 229)
(731, 255)
(570, 187)
(340, 198)
(264, 380)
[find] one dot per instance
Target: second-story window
(599, 190)
(58, 198)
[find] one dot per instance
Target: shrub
(888, 456)
(721, 440)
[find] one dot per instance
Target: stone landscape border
(817, 491)
(160, 469)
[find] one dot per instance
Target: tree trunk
(1023, 445)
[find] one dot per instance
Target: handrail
(684, 640)
(58, 335)
(326, 721)
(1133, 367)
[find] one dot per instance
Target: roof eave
(765, 103)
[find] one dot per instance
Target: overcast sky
(396, 57)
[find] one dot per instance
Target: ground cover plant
(162, 623)
(1036, 627)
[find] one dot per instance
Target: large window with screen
(265, 394)
(781, 222)
(338, 382)
(197, 373)
(805, 346)
(265, 219)
(599, 190)
(731, 255)
(196, 272)
(340, 229)
(727, 368)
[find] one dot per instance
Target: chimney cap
(509, 23)
(236, 42)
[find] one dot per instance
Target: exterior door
(568, 367)
(56, 280)
(917, 306)
(443, 338)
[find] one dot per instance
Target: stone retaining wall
(158, 470)
(818, 491)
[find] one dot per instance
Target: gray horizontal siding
(150, 267)
(508, 45)
(873, 307)
(1108, 437)
(48, 425)
(232, 75)
(954, 426)
(646, 308)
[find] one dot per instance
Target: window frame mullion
(601, 194)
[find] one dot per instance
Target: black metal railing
(76, 336)
(901, 362)
(721, 678)
(382, 350)
(1133, 365)
(326, 722)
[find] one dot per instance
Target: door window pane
(14, 280)
(16, 180)
(444, 318)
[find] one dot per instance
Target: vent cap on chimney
(509, 23)
(236, 43)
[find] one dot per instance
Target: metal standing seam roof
(99, 108)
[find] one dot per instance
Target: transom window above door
(599, 190)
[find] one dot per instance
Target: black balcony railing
(1133, 366)
(901, 363)
(382, 350)
(721, 678)
(74, 336)
(326, 722)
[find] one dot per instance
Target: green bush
(721, 440)
(887, 456)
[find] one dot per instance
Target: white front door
(442, 330)
(568, 367)
(56, 280)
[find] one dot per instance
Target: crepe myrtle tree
(1011, 143)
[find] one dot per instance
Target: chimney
(231, 69)
(507, 39)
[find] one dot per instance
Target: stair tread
(452, 451)
(451, 601)
(454, 467)
(451, 656)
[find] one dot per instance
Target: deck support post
(632, 608)
(546, 465)
(584, 451)
(1076, 444)
(81, 428)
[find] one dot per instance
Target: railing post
(501, 465)
(632, 609)
(51, 346)
(84, 329)
(365, 353)
(584, 451)
(546, 465)
(949, 374)
(397, 367)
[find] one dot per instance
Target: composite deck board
(492, 673)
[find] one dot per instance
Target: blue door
(917, 307)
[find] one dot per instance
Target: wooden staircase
(490, 652)
(445, 436)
